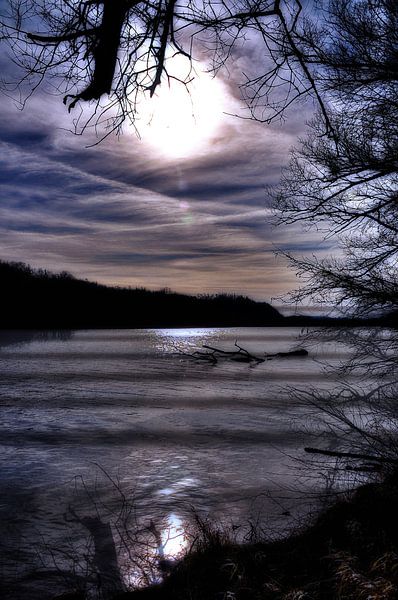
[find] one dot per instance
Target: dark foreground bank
(351, 553)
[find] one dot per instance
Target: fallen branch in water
(239, 355)
(291, 353)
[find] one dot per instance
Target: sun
(180, 120)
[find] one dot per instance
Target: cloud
(121, 213)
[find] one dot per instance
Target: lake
(92, 416)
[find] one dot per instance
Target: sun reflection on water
(174, 541)
(186, 333)
(184, 339)
(166, 542)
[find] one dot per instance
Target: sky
(184, 206)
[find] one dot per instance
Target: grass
(349, 553)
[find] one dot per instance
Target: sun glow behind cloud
(180, 121)
(184, 208)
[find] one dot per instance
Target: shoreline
(349, 552)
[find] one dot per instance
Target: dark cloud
(24, 226)
(23, 137)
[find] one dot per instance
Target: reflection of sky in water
(147, 561)
(185, 333)
(174, 541)
(181, 485)
(172, 340)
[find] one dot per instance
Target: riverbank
(350, 552)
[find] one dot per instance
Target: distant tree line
(39, 299)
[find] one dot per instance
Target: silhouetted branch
(345, 184)
(214, 354)
(239, 355)
(353, 455)
(123, 49)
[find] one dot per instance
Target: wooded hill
(39, 299)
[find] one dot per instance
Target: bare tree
(342, 181)
(346, 183)
(115, 54)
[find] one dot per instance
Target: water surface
(177, 434)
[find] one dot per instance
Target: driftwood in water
(239, 355)
(105, 555)
(292, 353)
